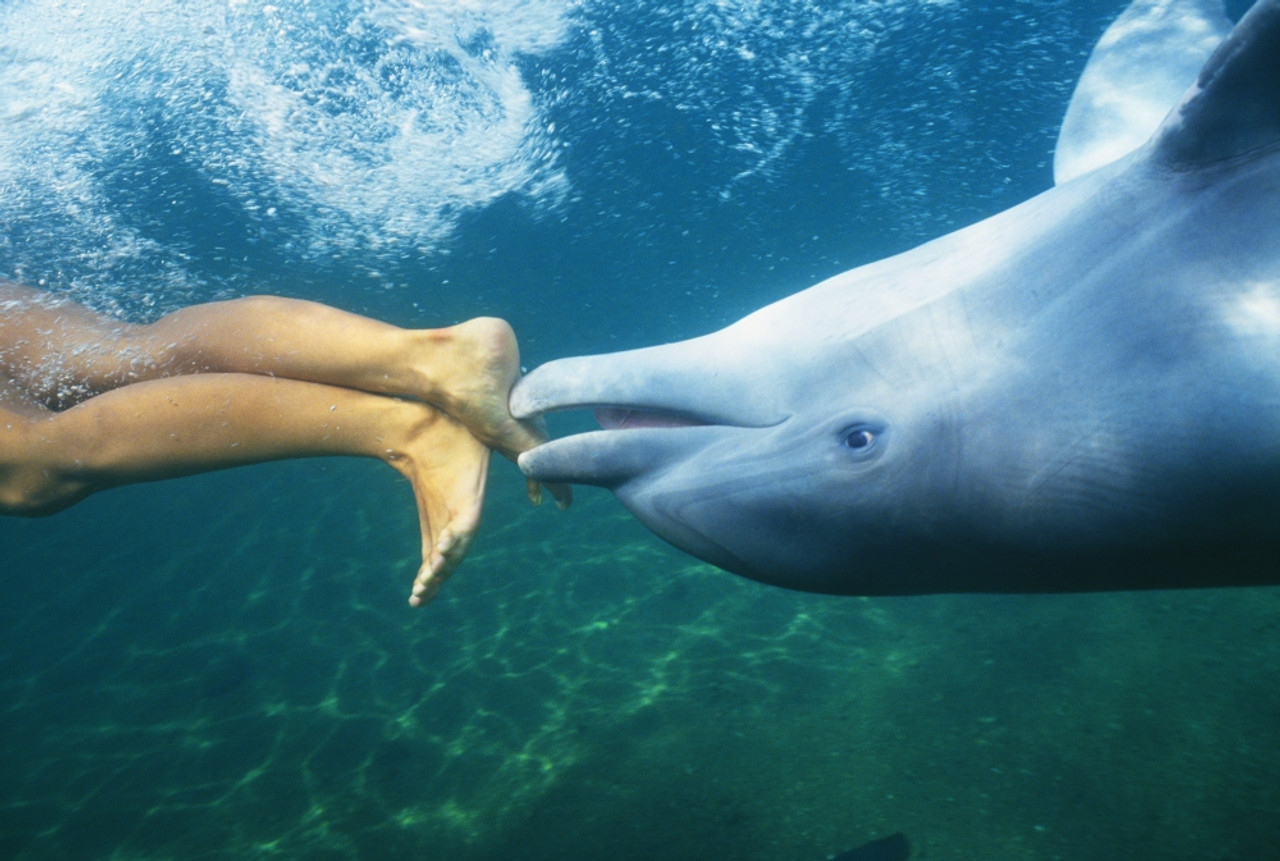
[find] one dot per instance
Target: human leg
(467, 370)
(188, 424)
(64, 352)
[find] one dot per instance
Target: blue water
(224, 666)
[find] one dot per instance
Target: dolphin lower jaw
(613, 457)
(732, 511)
(792, 553)
(706, 510)
(643, 468)
(690, 485)
(666, 518)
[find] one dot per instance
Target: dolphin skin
(892, 848)
(1080, 393)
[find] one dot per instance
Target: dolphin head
(780, 448)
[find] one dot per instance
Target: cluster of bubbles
(918, 97)
(149, 148)
(128, 124)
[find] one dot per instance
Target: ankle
(403, 434)
(432, 365)
(465, 366)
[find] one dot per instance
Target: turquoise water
(225, 667)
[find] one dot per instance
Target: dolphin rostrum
(1080, 393)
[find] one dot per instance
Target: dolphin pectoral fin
(1233, 109)
(1141, 66)
(892, 848)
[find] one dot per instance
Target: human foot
(473, 387)
(447, 468)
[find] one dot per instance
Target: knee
(32, 489)
(33, 493)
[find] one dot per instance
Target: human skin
(88, 403)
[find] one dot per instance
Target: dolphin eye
(859, 438)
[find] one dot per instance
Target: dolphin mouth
(627, 418)
(632, 441)
(656, 407)
(675, 470)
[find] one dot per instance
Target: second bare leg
(188, 424)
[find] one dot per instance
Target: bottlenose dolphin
(1080, 393)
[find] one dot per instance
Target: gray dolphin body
(1080, 393)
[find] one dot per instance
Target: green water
(225, 667)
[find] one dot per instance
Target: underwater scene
(225, 666)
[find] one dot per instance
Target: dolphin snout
(656, 407)
(558, 385)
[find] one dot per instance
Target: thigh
(16, 403)
(55, 352)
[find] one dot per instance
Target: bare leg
(467, 370)
(188, 424)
